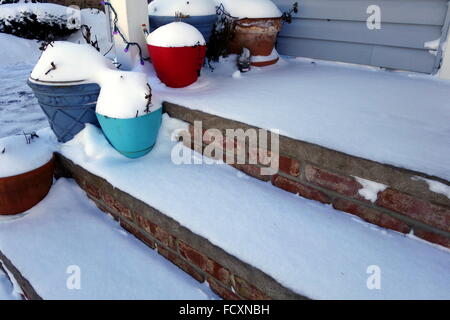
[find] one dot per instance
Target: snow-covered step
(391, 197)
(247, 238)
(67, 249)
(341, 128)
(357, 110)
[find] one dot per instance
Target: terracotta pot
(22, 192)
(257, 35)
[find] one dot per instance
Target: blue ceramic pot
(67, 107)
(204, 24)
(133, 137)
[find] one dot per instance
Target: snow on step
(19, 109)
(67, 229)
(309, 247)
(6, 288)
(390, 117)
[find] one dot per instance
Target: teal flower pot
(133, 137)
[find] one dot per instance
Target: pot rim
(52, 159)
(203, 15)
(60, 83)
(256, 19)
(144, 115)
(200, 45)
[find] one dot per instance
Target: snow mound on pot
(72, 62)
(250, 8)
(17, 156)
(124, 95)
(188, 8)
(176, 34)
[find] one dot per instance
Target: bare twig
(52, 68)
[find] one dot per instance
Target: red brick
(123, 211)
(248, 291)
(92, 191)
(81, 182)
(299, 188)
(146, 224)
(289, 166)
(261, 156)
(128, 227)
(418, 209)
(221, 291)
(344, 185)
(180, 263)
(210, 138)
(101, 207)
(371, 215)
(432, 237)
(165, 238)
(192, 255)
(218, 272)
(108, 200)
(252, 170)
(137, 234)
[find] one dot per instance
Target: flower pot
(21, 192)
(259, 35)
(68, 106)
(204, 24)
(133, 137)
(177, 67)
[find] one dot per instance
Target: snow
(395, 118)
(187, 8)
(314, 250)
(15, 50)
(6, 288)
(432, 45)
(66, 229)
(436, 186)
(176, 34)
(237, 74)
(45, 12)
(272, 56)
(74, 62)
(17, 156)
(250, 8)
(370, 189)
(96, 20)
(124, 94)
(19, 109)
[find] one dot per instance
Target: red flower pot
(177, 67)
(22, 192)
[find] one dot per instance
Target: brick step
(406, 205)
(227, 276)
(227, 229)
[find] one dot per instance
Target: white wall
(132, 15)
